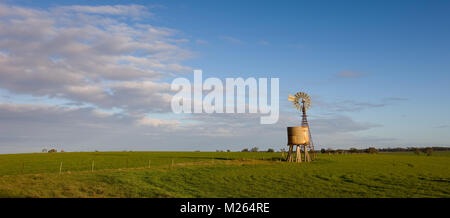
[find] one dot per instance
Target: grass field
(223, 174)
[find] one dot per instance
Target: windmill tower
(300, 136)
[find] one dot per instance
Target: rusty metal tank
(298, 135)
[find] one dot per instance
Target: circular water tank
(298, 135)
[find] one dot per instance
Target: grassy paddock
(223, 174)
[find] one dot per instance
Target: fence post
(60, 168)
(92, 169)
(149, 164)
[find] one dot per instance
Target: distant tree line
(256, 149)
(414, 149)
(371, 150)
(417, 150)
(50, 151)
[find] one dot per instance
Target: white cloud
(231, 39)
(264, 42)
(82, 54)
(126, 10)
(30, 127)
(201, 41)
(350, 74)
(355, 106)
(149, 121)
(340, 124)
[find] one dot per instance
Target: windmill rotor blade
(300, 99)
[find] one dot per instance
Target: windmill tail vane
(291, 98)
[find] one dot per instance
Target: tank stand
(290, 157)
(298, 156)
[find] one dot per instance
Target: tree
(323, 151)
(228, 150)
(44, 150)
(353, 150)
(372, 150)
(254, 149)
(245, 150)
(52, 151)
(270, 150)
(283, 150)
(429, 151)
(416, 151)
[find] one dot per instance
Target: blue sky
(382, 64)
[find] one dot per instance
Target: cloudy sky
(93, 75)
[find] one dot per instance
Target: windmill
(300, 135)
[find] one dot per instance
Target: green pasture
(223, 174)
